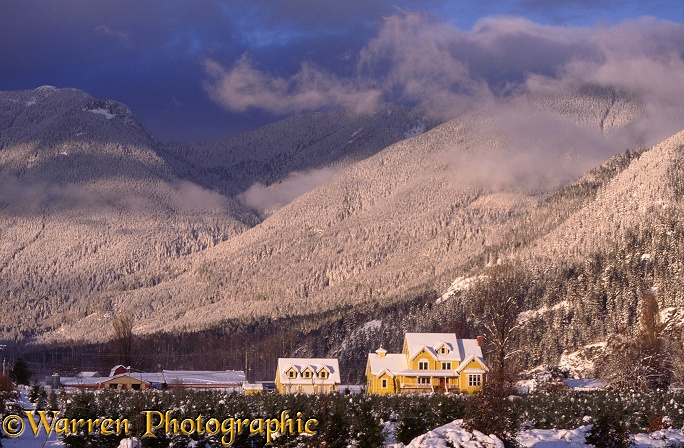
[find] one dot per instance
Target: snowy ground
(454, 435)
(27, 439)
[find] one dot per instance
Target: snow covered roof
(83, 381)
(190, 378)
(392, 363)
(316, 364)
(585, 384)
(134, 376)
(396, 364)
(204, 377)
(468, 360)
(458, 349)
(118, 368)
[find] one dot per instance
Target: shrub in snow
(492, 412)
(609, 429)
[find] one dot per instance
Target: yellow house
(429, 362)
(307, 375)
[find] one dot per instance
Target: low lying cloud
(268, 199)
(26, 198)
(530, 150)
(243, 87)
(190, 197)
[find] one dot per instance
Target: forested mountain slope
(592, 249)
(93, 206)
(299, 144)
(407, 219)
(86, 206)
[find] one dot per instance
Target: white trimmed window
(423, 364)
(384, 383)
(323, 374)
(291, 373)
(474, 380)
(423, 380)
(446, 366)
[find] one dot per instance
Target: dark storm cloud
(149, 54)
(153, 55)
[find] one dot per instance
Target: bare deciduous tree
(501, 295)
(122, 329)
(644, 361)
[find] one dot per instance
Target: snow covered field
(449, 435)
(27, 439)
(454, 435)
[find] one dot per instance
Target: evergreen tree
(21, 374)
(366, 431)
(609, 428)
(411, 424)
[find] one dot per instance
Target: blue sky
(197, 70)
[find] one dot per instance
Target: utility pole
(4, 368)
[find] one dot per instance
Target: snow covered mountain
(87, 206)
(100, 219)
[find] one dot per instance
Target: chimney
(480, 341)
(381, 352)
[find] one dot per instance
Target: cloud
(560, 99)
(522, 148)
(419, 60)
(243, 87)
(268, 199)
(104, 30)
(190, 197)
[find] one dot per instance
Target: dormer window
(323, 374)
(443, 350)
(307, 374)
(292, 373)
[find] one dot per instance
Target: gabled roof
(415, 342)
(124, 375)
(467, 347)
(392, 363)
(460, 350)
(467, 361)
(316, 364)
